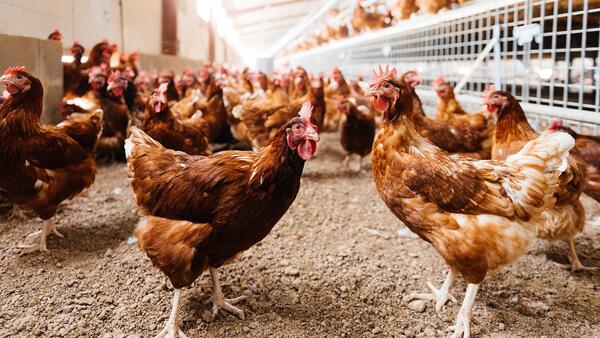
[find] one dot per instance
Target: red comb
(382, 75)
(163, 87)
(12, 70)
(439, 81)
(115, 74)
(306, 111)
(555, 124)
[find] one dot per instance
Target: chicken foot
(219, 301)
(440, 296)
(576, 265)
(16, 213)
(346, 163)
(39, 237)
(172, 329)
(462, 328)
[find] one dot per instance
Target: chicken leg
(172, 329)
(576, 265)
(462, 328)
(219, 301)
(39, 237)
(440, 296)
(16, 213)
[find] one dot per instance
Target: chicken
(433, 6)
(478, 215)
(42, 165)
(567, 219)
(72, 72)
(450, 109)
(363, 19)
(404, 9)
(116, 118)
(169, 78)
(99, 54)
(587, 152)
(135, 98)
(357, 130)
(159, 123)
(232, 201)
(56, 35)
(451, 135)
(214, 113)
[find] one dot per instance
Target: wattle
(381, 103)
(12, 90)
(306, 149)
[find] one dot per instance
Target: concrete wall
(142, 25)
(87, 21)
(42, 59)
(167, 62)
(192, 32)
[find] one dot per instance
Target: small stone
(108, 252)
(413, 254)
(253, 325)
(501, 326)
(103, 315)
(246, 329)
(291, 271)
(207, 316)
(58, 265)
(376, 330)
(417, 305)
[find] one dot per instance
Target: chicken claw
(16, 213)
(576, 265)
(39, 238)
(172, 329)
(219, 301)
(440, 296)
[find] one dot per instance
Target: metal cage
(546, 55)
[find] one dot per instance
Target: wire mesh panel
(549, 53)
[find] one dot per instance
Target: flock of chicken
(368, 18)
(478, 187)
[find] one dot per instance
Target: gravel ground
(339, 264)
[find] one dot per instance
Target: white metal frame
(554, 72)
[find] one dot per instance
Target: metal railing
(549, 53)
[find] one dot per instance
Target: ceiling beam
(285, 25)
(272, 4)
(270, 33)
(278, 18)
(300, 28)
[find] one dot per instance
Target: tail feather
(537, 169)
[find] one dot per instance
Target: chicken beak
(371, 92)
(312, 134)
(111, 85)
(5, 79)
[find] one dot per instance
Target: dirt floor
(338, 264)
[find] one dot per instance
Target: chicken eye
(298, 128)
(19, 76)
